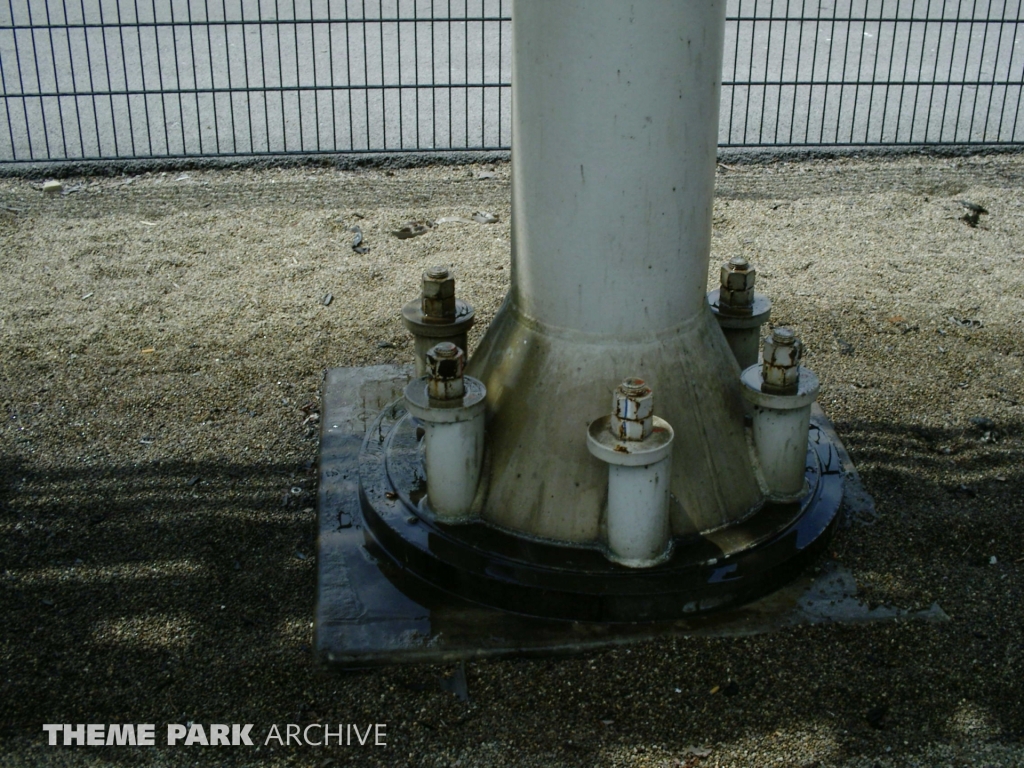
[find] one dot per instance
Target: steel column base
(396, 586)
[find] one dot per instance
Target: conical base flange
(544, 385)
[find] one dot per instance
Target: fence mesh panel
(135, 79)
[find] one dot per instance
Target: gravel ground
(162, 343)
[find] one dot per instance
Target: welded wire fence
(896, 72)
(120, 79)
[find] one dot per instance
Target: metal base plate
(488, 566)
(373, 609)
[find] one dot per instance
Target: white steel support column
(615, 130)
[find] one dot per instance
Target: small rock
(966, 322)
(301, 555)
(993, 560)
(486, 175)
(974, 212)
(52, 187)
(972, 207)
(192, 481)
(983, 423)
(413, 229)
(326, 301)
(357, 241)
(385, 345)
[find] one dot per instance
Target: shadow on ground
(206, 618)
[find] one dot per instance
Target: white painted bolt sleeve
(639, 479)
(781, 440)
(638, 522)
(453, 444)
(781, 424)
(453, 459)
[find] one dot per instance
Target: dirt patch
(162, 343)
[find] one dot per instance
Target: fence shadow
(173, 600)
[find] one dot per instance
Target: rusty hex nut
(781, 366)
(438, 294)
(445, 365)
(632, 410)
(737, 278)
